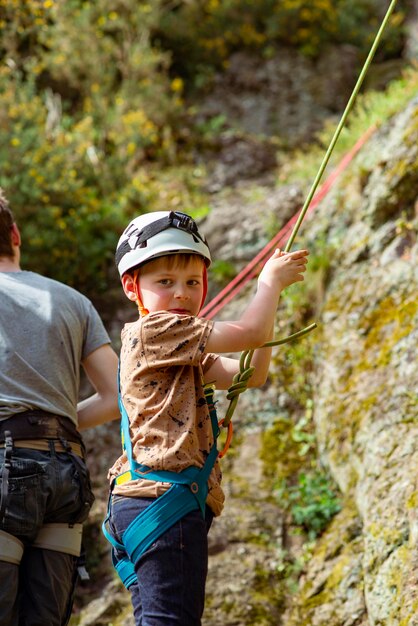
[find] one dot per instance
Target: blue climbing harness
(188, 492)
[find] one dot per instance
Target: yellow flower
(15, 141)
(177, 85)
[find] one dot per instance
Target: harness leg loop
(11, 549)
(61, 538)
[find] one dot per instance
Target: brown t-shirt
(161, 371)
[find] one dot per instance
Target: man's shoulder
(55, 291)
(53, 285)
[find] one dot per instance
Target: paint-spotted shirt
(162, 364)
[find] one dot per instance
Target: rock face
(265, 97)
(243, 585)
(411, 44)
(365, 568)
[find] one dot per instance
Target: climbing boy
(166, 485)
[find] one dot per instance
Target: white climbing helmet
(156, 234)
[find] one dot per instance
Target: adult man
(47, 330)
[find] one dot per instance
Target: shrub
(312, 501)
(86, 109)
(201, 36)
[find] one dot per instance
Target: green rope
(241, 379)
(340, 125)
(246, 370)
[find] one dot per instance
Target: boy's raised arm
(254, 327)
(223, 370)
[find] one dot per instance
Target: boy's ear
(128, 284)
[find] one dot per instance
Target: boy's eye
(164, 281)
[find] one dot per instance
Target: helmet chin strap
(143, 311)
(205, 286)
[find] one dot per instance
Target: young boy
(168, 473)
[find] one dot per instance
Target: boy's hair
(179, 259)
(6, 223)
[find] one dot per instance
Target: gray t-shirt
(46, 330)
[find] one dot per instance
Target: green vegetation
(372, 108)
(202, 35)
(312, 502)
(300, 485)
(294, 474)
(91, 127)
(222, 271)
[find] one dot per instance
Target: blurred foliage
(202, 34)
(95, 127)
(222, 271)
(91, 126)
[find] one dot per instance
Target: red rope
(254, 266)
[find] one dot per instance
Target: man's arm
(101, 367)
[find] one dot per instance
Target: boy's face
(166, 284)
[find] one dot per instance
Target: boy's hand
(284, 268)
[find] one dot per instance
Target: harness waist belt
(44, 446)
(39, 425)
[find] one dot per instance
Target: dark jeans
(44, 487)
(171, 574)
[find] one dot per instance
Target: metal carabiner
(228, 439)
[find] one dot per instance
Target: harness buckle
(7, 466)
(183, 221)
(143, 473)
